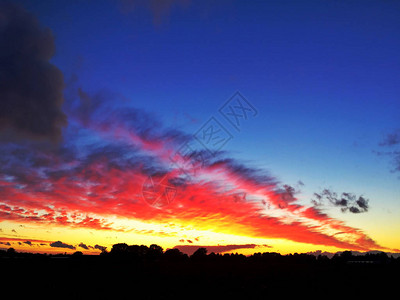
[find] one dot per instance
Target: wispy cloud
(391, 139)
(391, 143)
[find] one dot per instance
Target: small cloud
(82, 245)
(101, 248)
(60, 244)
(190, 241)
(28, 243)
(14, 231)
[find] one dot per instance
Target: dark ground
(202, 277)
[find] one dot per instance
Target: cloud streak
(190, 249)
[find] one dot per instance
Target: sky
(245, 126)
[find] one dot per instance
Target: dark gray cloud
(346, 201)
(101, 248)
(28, 243)
(60, 244)
(82, 245)
(31, 88)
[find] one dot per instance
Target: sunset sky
(245, 126)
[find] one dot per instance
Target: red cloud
(223, 196)
(103, 191)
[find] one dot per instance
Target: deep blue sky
(323, 75)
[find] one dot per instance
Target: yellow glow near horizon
(165, 235)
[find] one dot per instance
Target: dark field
(177, 276)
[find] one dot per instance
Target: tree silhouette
(118, 249)
(11, 252)
(174, 255)
(77, 254)
(199, 254)
(154, 252)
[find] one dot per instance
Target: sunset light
(207, 133)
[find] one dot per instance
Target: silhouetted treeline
(154, 253)
(149, 272)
